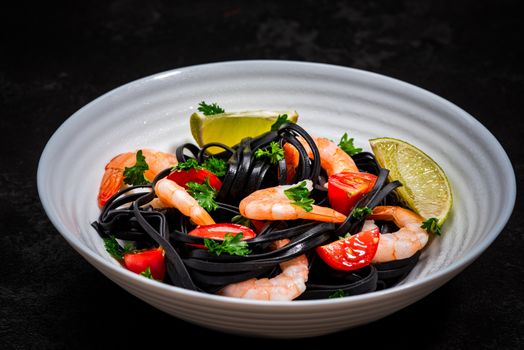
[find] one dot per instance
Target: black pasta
(128, 216)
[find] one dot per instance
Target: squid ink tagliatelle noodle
(130, 217)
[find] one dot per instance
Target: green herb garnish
(281, 119)
(347, 145)
(273, 153)
(431, 225)
(347, 235)
(115, 250)
(204, 193)
(209, 109)
(241, 220)
(135, 174)
(147, 273)
(339, 293)
(188, 164)
(299, 194)
(359, 213)
(216, 166)
(232, 245)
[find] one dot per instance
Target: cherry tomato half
(347, 188)
(218, 231)
(153, 258)
(182, 177)
(351, 253)
(258, 225)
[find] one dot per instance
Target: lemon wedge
(230, 128)
(426, 189)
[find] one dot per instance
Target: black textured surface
(57, 56)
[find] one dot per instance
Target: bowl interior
(154, 113)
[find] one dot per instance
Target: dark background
(57, 56)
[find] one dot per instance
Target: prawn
(405, 242)
(288, 285)
(173, 195)
(332, 158)
(273, 204)
(113, 178)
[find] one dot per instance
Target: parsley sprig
(359, 213)
(347, 146)
(431, 225)
(339, 293)
(209, 109)
(281, 120)
(299, 194)
(214, 165)
(204, 193)
(147, 273)
(274, 153)
(232, 245)
(135, 174)
(188, 164)
(115, 249)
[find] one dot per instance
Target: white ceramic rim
(442, 275)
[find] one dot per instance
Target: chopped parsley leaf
(346, 144)
(204, 194)
(300, 196)
(209, 109)
(274, 153)
(359, 213)
(431, 225)
(281, 120)
(135, 174)
(232, 245)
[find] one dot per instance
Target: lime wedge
(426, 189)
(230, 128)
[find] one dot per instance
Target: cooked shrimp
(368, 225)
(332, 158)
(273, 204)
(113, 178)
(288, 285)
(175, 196)
(405, 242)
(292, 159)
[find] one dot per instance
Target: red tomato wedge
(258, 224)
(182, 177)
(218, 231)
(153, 258)
(347, 188)
(351, 253)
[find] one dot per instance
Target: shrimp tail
(324, 214)
(399, 216)
(201, 217)
(382, 213)
(112, 181)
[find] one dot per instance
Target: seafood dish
(284, 215)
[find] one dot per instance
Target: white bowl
(154, 112)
